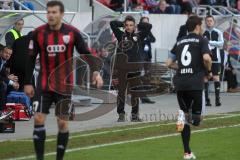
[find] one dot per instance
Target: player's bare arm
(170, 63)
(207, 61)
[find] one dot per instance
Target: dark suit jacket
(3, 73)
(182, 32)
(18, 59)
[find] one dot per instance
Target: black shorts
(216, 69)
(191, 101)
(43, 101)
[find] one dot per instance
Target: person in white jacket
(215, 37)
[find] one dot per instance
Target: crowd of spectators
(167, 6)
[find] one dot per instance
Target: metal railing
(25, 13)
(217, 10)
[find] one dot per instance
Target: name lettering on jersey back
(53, 49)
(188, 40)
(186, 71)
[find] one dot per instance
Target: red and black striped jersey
(55, 49)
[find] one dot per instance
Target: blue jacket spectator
(26, 3)
(29, 5)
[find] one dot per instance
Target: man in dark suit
(183, 28)
(18, 59)
(7, 80)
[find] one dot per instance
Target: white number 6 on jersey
(186, 56)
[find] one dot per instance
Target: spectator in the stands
(6, 80)
(231, 77)
(14, 33)
(151, 4)
(138, 5)
(116, 5)
(231, 3)
(232, 35)
(188, 5)
(209, 2)
(6, 5)
(163, 8)
(214, 2)
(176, 7)
(26, 3)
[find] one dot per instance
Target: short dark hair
(192, 22)
(7, 47)
(19, 20)
(1, 47)
(142, 18)
(129, 18)
(209, 16)
(56, 3)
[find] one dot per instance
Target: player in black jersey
(190, 57)
(216, 42)
(54, 42)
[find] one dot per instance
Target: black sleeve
(9, 38)
(80, 44)
(174, 49)
(10, 62)
(115, 25)
(182, 32)
(173, 53)
(33, 51)
(205, 47)
(152, 38)
(82, 48)
(3, 75)
(145, 29)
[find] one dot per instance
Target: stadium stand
(176, 6)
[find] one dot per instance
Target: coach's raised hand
(97, 79)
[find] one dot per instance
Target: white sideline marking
(129, 141)
(128, 129)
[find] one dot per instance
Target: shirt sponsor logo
(56, 48)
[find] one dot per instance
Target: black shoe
(148, 101)
(218, 103)
(121, 118)
(136, 118)
(208, 103)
